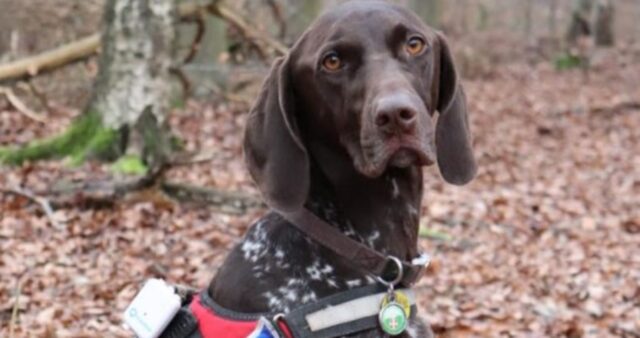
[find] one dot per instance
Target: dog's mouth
(395, 153)
(406, 157)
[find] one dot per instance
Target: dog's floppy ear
(453, 139)
(274, 153)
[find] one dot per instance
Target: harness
(344, 313)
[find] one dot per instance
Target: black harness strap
(183, 325)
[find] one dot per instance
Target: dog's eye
(332, 62)
(415, 45)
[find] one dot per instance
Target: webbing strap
(370, 260)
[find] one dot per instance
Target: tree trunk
(580, 25)
(135, 61)
(134, 78)
(603, 23)
(131, 94)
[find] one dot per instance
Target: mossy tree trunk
(127, 111)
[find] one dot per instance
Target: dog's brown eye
(415, 45)
(331, 62)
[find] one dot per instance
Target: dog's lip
(405, 156)
(403, 152)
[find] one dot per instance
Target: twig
(227, 201)
(276, 10)
(14, 310)
(42, 97)
(184, 81)
(20, 106)
(246, 29)
(198, 20)
(188, 159)
(624, 105)
(41, 201)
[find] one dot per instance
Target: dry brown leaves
(544, 243)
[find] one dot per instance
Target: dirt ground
(544, 243)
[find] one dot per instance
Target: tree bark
(135, 61)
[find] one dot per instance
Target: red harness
(213, 325)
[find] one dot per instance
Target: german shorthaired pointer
(343, 126)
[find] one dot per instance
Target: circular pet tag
(392, 318)
(402, 300)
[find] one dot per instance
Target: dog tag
(402, 299)
(393, 316)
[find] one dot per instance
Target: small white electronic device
(152, 309)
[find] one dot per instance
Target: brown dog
(342, 127)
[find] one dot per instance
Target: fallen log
(88, 46)
(60, 56)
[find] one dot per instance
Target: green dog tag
(392, 318)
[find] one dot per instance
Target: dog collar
(389, 270)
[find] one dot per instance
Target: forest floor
(544, 243)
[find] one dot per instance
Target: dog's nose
(395, 114)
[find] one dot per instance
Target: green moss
(567, 61)
(130, 165)
(85, 137)
(103, 145)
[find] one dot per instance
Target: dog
(342, 127)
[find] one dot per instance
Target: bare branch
(20, 106)
(188, 159)
(246, 29)
(226, 201)
(41, 201)
(42, 97)
(198, 20)
(279, 16)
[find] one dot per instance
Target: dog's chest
(290, 270)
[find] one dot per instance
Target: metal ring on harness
(277, 317)
(398, 277)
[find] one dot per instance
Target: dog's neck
(382, 212)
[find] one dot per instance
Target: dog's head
(366, 77)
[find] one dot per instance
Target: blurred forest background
(104, 184)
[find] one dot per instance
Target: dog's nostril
(407, 114)
(382, 119)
